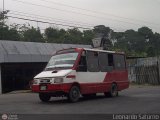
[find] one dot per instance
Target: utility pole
(3, 5)
(3, 17)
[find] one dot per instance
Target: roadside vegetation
(140, 43)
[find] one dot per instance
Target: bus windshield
(66, 60)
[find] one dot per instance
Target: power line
(80, 13)
(74, 12)
(33, 20)
(103, 13)
(59, 22)
(56, 21)
(46, 18)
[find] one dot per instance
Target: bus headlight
(58, 80)
(35, 81)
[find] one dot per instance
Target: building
(21, 61)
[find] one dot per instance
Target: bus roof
(89, 49)
(98, 50)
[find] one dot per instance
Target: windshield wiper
(57, 68)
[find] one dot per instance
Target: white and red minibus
(79, 72)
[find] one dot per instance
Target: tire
(44, 97)
(74, 94)
(113, 91)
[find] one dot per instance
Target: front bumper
(52, 88)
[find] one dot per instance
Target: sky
(119, 15)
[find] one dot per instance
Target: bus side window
(110, 60)
(119, 61)
(92, 61)
(105, 62)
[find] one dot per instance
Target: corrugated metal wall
(21, 61)
(15, 51)
(144, 70)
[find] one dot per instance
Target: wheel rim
(75, 93)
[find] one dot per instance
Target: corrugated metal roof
(16, 51)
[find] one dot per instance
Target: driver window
(82, 67)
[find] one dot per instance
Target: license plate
(43, 87)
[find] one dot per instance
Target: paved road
(144, 99)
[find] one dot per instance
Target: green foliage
(52, 35)
(135, 43)
(151, 51)
(33, 35)
(140, 43)
(74, 36)
(7, 32)
(3, 17)
(146, 32)
(70, 36)
(88, 35)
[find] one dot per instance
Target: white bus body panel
(80, 77)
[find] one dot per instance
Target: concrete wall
(0, 81)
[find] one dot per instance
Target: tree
(146, 32)
(13, 34)
(73, 36)
(88, 35)
(121, 43)
(154, 43)
(3, 17)
(151, 52)
(7, 32)
(133, 43)
(3, 28)
(141, 43)
(33, 35)
(55, 35)
(51, 34)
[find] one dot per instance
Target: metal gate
(144, 70)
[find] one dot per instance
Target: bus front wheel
(74, 94)
(44, 97)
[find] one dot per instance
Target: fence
(144, 70)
